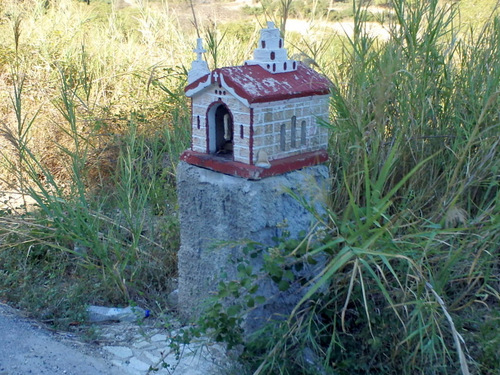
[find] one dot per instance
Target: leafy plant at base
(351, 253)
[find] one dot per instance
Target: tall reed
(98, 122)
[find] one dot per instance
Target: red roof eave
(195, 85)
(287, 95)
(254, 84)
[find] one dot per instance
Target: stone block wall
(217, 211)
(290, 127)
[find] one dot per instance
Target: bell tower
(270, 53)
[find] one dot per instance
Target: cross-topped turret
(199, 50)
(199, 67)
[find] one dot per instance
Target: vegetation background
(93, 118)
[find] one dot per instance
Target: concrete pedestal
(216, 209)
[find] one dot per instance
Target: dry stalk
(457, 338)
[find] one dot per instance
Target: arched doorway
(220, 130)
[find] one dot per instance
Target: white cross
(216, 75)
(199, 48)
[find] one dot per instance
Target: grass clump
(92, 157)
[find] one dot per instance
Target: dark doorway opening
(223, 131)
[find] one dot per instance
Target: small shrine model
(259, 119)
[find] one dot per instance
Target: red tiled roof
(256, 85)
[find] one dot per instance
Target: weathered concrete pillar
(216, 209)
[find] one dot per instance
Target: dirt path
(118, 348)
(26, 348)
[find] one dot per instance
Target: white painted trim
(202, 85)
(232, 92)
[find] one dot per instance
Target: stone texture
(119, 351)
(138, 364)
(141, 344)
(127, 350)
(159, 337)
(154, 359)
(218, 210)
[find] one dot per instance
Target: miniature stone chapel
(259, 119)
(257, 141)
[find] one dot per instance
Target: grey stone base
(217, 211)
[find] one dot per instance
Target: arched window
(293, 133)
(273, 55)
(197, 122)
(263, 44)
(283, 137)
(303, 133)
